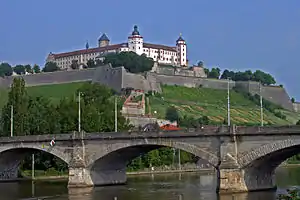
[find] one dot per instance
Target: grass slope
(53, 92)
(198, 102)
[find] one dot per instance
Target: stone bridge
(244, 157)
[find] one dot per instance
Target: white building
(175, 55)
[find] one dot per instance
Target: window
(139, 47)
(183, 54)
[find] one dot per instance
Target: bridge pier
(245, 180)
(79, 177)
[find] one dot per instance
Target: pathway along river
(187, 186)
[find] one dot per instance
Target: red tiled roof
(159, 46)
(111, 47)
(88, 51)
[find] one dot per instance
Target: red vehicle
(169, 127)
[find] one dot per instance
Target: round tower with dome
(103, 41)
(135, 41)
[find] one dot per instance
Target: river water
(187, 186)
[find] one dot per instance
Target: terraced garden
(198, 102)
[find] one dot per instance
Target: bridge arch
(11, 157)
(259, 164)
(256, 156)
(109, 166)
(211, 158)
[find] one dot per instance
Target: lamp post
(11, 121)
(116, 115)
(79, 113)
(261, 107)
(228, 101)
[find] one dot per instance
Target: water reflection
(190, 186)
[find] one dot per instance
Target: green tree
(130, 60)
(206, 71)
(18, 98)
(214, 73)
(172, 114)
(227, 74)
(36, 69)
(263, 77)
(74, 64)
(42, 117)
(5, 70)
(98, 109)
(91, 63)
(28, 69)
(19, 69)
(293, 100)
(50, 67)
(298, 122)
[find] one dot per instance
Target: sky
(232, 34)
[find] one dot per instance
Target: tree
(74, 64)
(42, 117)
(214, 73)
(50, 67)
(36, 69)
(5, 70)
(293, 100)
(19, 69)
(206, 71)
(17, 97)
(263, 77)
(172, 114)
(227, 74)
(91, 63)
(298, 122)
(98, 109)
(130, 60)
(28, 69)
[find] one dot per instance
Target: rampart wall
(51, 78)
(118, 78)
(297, 106)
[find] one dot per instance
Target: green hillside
(199, 102)
(194, 102)
(53, 92)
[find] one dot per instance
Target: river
(187, 186)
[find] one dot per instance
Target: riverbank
(43, 175)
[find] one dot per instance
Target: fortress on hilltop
(172, 55)
(170, 68)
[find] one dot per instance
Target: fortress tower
(135, 41)
(103, 41)
(181, 51)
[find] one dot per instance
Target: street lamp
(228, 101)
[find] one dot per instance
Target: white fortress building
(172, 55)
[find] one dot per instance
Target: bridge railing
(287, 129)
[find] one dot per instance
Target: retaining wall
(296, 106)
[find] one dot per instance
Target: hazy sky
(233, 34)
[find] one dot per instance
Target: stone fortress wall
(296, 106)
(118, 78)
